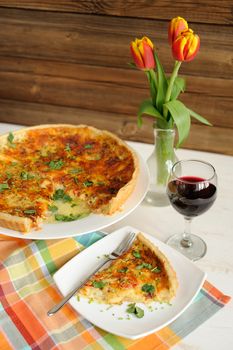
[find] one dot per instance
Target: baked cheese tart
(142, 274)
(53, 173)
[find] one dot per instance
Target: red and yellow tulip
(186, 46)
(142, 53)
(164, 91)
(176, 26)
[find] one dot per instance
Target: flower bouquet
(170, 113)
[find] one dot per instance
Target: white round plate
(114, 319)
(92, 222)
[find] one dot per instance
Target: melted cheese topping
(138, 276)
(86, 165)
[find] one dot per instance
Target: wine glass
(191, 189)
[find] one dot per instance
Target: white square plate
(115, 319)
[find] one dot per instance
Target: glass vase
(160, 163)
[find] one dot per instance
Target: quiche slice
(142, 274)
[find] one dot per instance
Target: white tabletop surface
(215, 227)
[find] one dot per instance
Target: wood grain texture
(101, 40)
(104, 89)
(213, 139)
(208, 11)
(70, 65)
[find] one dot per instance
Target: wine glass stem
(186, 241)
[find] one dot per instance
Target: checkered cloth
(27, 292)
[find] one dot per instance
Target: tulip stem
(170, 85)
(152, 84)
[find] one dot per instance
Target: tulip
(142, 52)
(176, 26)
(186, 46)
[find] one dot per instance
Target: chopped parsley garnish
(14, 163)
(26, 176)
(10, 139)
(9, 175)
(88, 183)
(137, 311)
(76, 171)
(123, 270)
(29, 211)
(71, 217)
(156, 269)
(56, 164)
(148, 288)
(52, 208)
(73, 205)
(136, 254)
(67, 148)
(98, 284)
(61, 195)
(4, 186)
(144, 265)
(88, 146)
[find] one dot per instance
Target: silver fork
(116, 253)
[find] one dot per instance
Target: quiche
(52, 173)
(142, 274)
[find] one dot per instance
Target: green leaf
(123, 270)
(144, 265)
(178, 87)
(4, 186)
(26, 176)
(199, 117)
(98, 284)
(131, 308)
(9, 175)
(71, 217)
(10, 137)
(61, 195)
(56, 164)
(147, 107)
(181, 117)
(136, 310)
(148, 288)
(29, 211)
(52, 208)
(136, 254)
(67, 147)
(161, 84)
(88, 146)
(87, 183)
(139, 312)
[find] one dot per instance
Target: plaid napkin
(27, 292)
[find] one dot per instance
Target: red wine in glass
(191, 195)
(192, 190)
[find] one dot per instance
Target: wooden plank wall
(66, 61)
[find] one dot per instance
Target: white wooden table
(215, 227)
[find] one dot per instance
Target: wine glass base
(195, 252)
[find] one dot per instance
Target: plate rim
(202, 273)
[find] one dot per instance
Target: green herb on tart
(61, 195)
